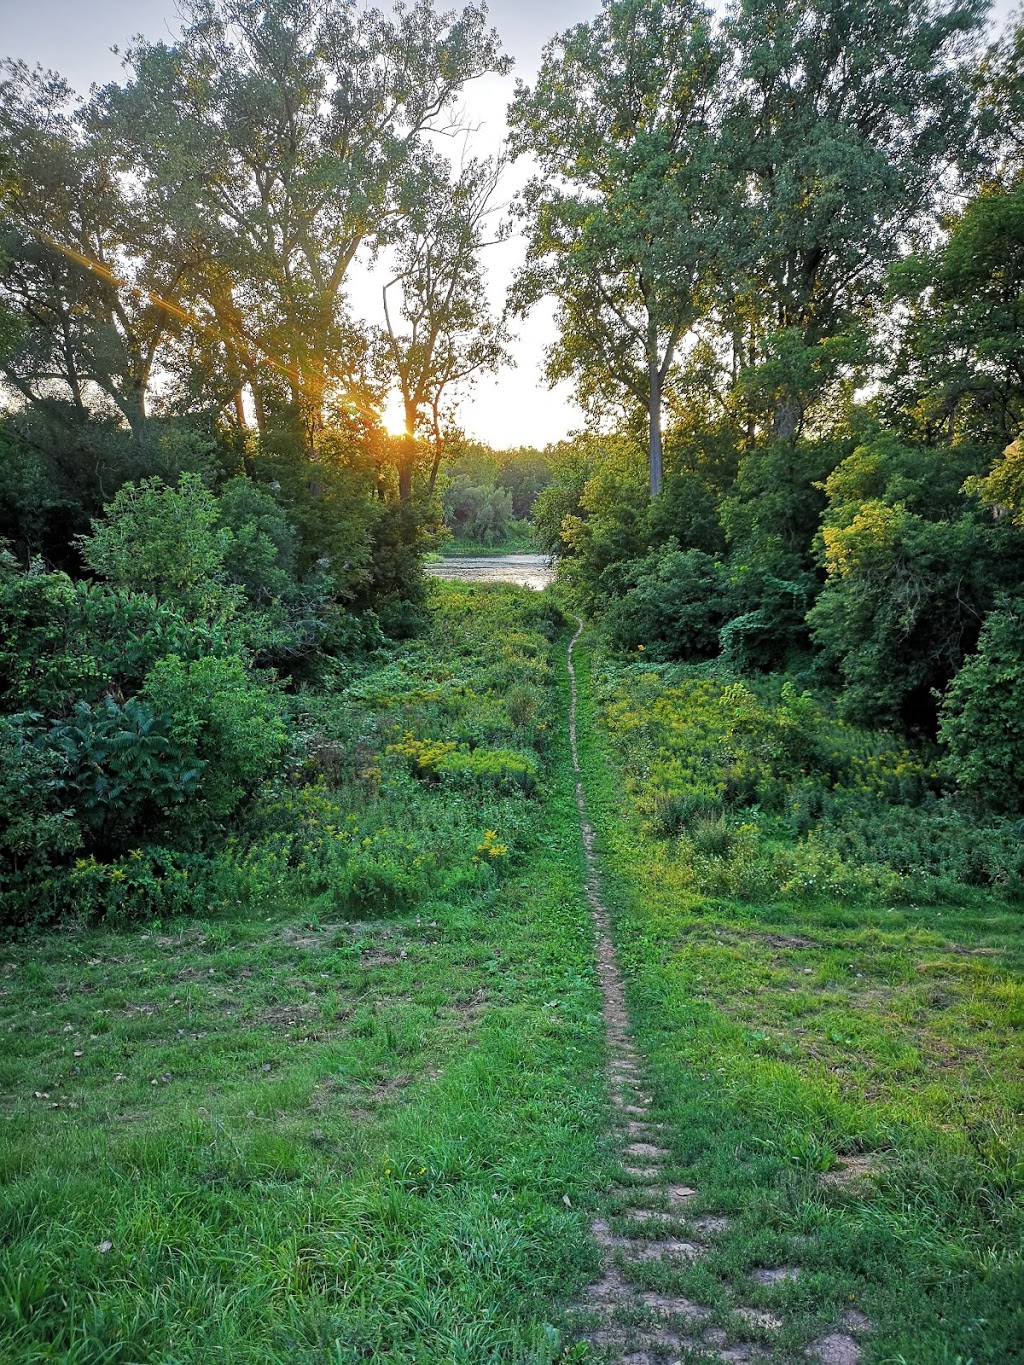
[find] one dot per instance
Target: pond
(529, 571)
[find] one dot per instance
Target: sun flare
(393, 419)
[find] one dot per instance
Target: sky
(514, 407)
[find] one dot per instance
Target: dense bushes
(127, 723)
(841, 502)
(148, 765)
(761, 791)
(983, 714)
(137, 722)
(675, 604)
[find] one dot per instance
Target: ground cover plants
(834, 1037)
(354, 1109)
(304, 1014)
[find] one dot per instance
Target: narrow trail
(653, 1231)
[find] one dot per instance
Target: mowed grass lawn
(277, 1140)
(845, 1083)
(269, 1136)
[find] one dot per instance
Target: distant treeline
(490, 498)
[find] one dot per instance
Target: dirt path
(649, 1224)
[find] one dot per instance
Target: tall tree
(1001, 83)
(279, 133)
(439, 331)
(623, 216)
(847, 121)
(95, 290)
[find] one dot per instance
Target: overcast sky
(74, 37)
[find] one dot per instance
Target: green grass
(355, 1110)
(788, 1035)
(522, 540)
(281, 1134)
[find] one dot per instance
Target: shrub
(62, 641)
(673, 605)
(982, 722)
(122, 770)
(38, 829)
(147, 882)
(228, 720)
(168, 542)
(504, 770)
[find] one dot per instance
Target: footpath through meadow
(648, 1224)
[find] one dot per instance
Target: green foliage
(478, 512)
(187, 779)
(1002, 488)
(38, 830)
(960, 367)
(673, 603)
(611, 524)
(122, 767)
(131, 720)
(906, 589)
(983, 715)
(687, 511)
(572, 463)
(61, 641)
(802, 122)
(261, 553)
(166, 542)
(217, 711)
(503, 769)
(423, 1014)
(150, 882)
(525, 473)
(490, 495)
(625, 215)
(763, 791)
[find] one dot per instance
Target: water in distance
(529, 571)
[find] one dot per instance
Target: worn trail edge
(652, 1218)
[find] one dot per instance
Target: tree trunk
(134, 408)
(407, 456)
(435, 469)
(786, 421)
(435, 463)
(405, 464)
(654, 419)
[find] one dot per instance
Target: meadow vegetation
(303, 1046)
(341, 1098)
(825, 965)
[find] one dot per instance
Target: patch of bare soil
(773, 1274)
(386, 1089)
(835, 1349)
(851, 1171)
(285, 1017)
